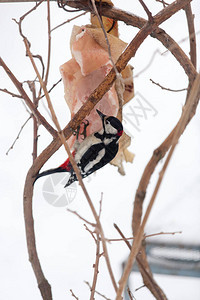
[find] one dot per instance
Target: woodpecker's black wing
(97, 156)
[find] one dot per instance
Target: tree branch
(27, 100)
(192, 36)
(49, 42)
(18, 135)
(187, 111)
(148, 279)
(10, 93)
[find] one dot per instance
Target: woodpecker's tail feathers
(72, 178)
(51, 171)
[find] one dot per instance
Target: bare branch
(162, 233)
(191, 29)
(106, 37)
(103, 296)
(167, 89)
(149, 14)
(100, 205)
(49, 42)
(96, 267)
(69, 20)
(91, 232)
(18, 135)
(140, 287)
(83, 219)
(10, 93)
(130, 294)
(27, 100)
(35, 123)
(53, 86)
(145, 236)
(73, 294)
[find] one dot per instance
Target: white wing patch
(108, 141)
(95, 161)
(85, 145)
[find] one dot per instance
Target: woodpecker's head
(111, 125)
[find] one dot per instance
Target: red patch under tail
(67, 165)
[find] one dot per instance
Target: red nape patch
(120, 132)
(67, 165)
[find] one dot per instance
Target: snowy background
(65, 248)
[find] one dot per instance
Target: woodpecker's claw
(84, 132)
(77, 132)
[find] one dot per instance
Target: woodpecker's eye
(107, 122)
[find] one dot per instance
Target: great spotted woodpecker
(95, 151)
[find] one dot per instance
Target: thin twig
(73, 295)
(140, 287)
(53, 86)
(69, 20)
(163, 2)
(167, 89)
(27, 100)
(32, 9)
(96, 267)
(10, 93)
(18, 135)
(49, 42)
(31, 85)
(146, 236)
(162, 233)
(98, 255)
(103, 296)
(149, 14)
(106, 37)
(77, 214)
(91, 232)
(100, 205)
(130, 294)
(191, 29)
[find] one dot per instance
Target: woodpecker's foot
(77, 132)
(84, 132)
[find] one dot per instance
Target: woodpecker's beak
(101, 115)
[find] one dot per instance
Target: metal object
(171, 259)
